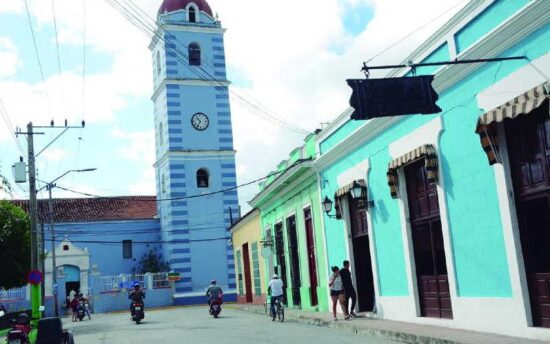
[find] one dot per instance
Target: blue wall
(108, 256)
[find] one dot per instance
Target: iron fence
(13, 294)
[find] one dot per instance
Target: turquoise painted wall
(475, 226)
(486, 21)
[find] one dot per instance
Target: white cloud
(145, 185)
(8, 57)
(139, 147)
(285, 48)
(55, 154)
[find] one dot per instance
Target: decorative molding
(334, 125)
(193, 154)
(355, 140)
(281, 180)
(189, 82)
(189, 28)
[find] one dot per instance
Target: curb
(348, 326)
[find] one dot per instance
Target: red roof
(174, 5)
(96, 209)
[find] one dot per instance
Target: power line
(38, 57)
(9, 125)
(58, 55)
(298, 162)
(416, 30)
(140, 21)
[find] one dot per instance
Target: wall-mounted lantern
(358, 191)
(327, 206)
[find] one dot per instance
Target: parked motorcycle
(215, 307)
(138, 313)
(19, 332)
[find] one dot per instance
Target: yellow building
(249, 269)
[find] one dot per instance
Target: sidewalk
(393, 330)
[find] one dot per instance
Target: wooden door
(294, 259)
(427, 237)
(361, 255)
(281, 259)
(528, 142)
(312, 261)
(247, 275)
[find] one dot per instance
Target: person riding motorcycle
(136, 295)
(214, 293)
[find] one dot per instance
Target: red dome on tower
(174, 5)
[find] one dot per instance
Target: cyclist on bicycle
(275, 290)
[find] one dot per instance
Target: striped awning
(426, 152)
(343, 191)
(347, 188)
(520, 105)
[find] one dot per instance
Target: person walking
(349, 290)
(337, 292)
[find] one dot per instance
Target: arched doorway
(72, 279)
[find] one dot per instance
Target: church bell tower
(194, 148)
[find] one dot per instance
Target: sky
(292, 57)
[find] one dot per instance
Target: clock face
(200, 121)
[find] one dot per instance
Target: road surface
(194, 325)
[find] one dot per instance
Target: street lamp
(49, 186)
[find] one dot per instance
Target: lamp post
(49, 186)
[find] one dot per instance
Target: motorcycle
(80, 311)
(215, 307)
(19, 332)
(138, 312)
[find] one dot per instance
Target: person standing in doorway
(337, 292)
(349, 290)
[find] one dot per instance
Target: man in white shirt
(275, 289)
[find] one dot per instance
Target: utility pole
(37, 245)
(54, 266)
(33, 209)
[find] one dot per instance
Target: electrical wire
(416, 30)
(38, 58)
(9, 126)
(58, 55)
(300, 161)
(140, 21)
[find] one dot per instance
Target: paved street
(194, 325)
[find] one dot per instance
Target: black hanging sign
(373, 98)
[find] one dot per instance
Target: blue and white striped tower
(194, 147)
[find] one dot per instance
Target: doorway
(427, 237)
(361, 254)
(294, 260)
(528, 142)
(280, 269)
(247, 276)
(72, 279)
(312, 262)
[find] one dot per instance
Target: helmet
(136, 285)
(275, 276)
(23, 318)
(213, 281)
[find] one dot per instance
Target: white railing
(117, 282)
(14, 294)
(160, 280)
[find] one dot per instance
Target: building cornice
(282, 180)
(189, 82)
(334, 125)
(524, 22)
(189, 28)
(360, 136)
(193, 154)
(243, 221)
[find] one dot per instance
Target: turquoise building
(457, 231)
(194, 147)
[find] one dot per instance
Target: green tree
(15, 246)
(4, 184)
(151, 262)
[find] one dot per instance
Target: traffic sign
(174, 276)
(35, 277)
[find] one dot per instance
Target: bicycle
(279, 310)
